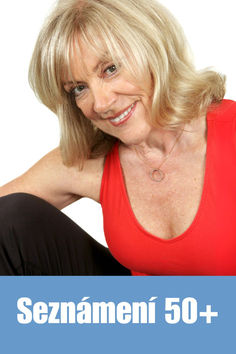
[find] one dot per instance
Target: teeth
(123, 115)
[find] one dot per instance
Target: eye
(77, 90)
(110, 70)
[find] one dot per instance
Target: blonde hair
(145, 38)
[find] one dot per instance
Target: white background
(28, 130)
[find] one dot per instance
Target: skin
(102, 91)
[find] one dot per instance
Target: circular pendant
(156, 175)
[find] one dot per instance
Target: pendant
(156, 175)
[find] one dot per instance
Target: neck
(160, 141)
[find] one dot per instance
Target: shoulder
(58, 184)
(225, 111)
(87, 182)
(223, 117)
(84, 182)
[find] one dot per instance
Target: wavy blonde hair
(145, 39)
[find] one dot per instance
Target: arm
(52, 181)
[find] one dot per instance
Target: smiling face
(108, 97)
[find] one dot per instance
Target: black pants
(38, 239)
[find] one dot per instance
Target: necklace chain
(156, 174)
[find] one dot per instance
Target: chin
(132, 140)
(135, 137)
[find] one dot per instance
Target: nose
(103, 99)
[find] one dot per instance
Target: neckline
(202, 200)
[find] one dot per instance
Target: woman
(143, 133)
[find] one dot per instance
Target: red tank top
(208, 246)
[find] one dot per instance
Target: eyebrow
(102, 60)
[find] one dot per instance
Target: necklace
(155, 173)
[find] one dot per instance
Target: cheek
(86, 109)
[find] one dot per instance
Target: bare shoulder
(60, 185)
(87, 182)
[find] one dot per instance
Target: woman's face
(109, 99)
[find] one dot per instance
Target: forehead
(85, 59)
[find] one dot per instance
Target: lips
(122, 116)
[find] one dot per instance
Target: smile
(123, 117)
